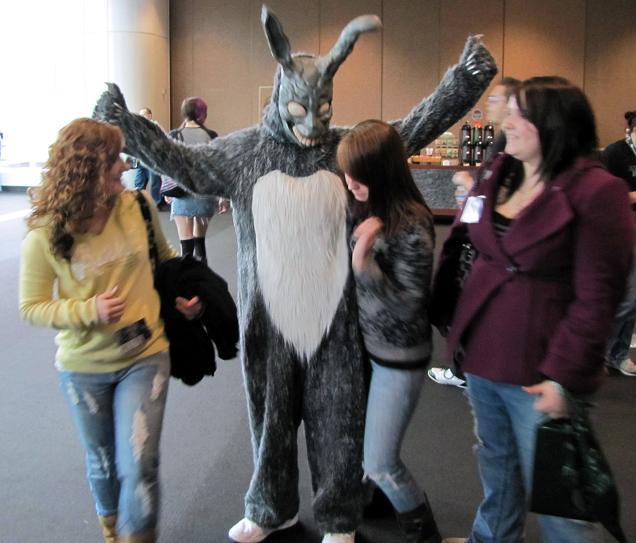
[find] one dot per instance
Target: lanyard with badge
(473, 209)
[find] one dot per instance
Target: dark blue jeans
(619, 342)
(119, 417)
(505, 425)
(145, 176)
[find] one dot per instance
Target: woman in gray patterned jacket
(392, 262)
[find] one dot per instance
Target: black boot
(419, 525)
(378, 507)
(199, 250)
(187, 247)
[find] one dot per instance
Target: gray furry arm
(458, 91)
(200, 169)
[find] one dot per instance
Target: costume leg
(274, 393)
(333, 412)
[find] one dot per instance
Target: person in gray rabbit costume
(301, 349)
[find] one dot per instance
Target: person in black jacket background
(620, 159)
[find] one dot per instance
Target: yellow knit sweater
(62, 294)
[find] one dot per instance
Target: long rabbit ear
(276, 39)
(329, 64)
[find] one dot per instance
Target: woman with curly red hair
(86, 272)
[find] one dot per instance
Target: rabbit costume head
(300, 109)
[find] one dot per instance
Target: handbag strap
(152, 244)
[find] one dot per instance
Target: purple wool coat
(540, 302)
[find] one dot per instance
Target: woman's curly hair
(74, 181)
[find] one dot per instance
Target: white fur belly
(302, 254)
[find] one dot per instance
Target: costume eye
(324, 109)
(296, 110)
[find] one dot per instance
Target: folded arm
(407, 285)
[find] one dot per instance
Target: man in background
(496, 111)
(145, 176)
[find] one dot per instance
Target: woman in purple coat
(553, 230)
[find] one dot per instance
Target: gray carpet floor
(206, 462)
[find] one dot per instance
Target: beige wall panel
(301, 23)
(181, 55)
(610, 82)
(143, 72)
(545, 37)
(410, 54)
(357, 84)
(220, 72)
(218, 50)
(462, 18)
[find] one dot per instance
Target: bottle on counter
(489, 134)
(478, 145)
(489, 140)
(465, 144)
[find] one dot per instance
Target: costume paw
(477, 59)
(111, 105)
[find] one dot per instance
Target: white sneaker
(627, 367)
(632, 345)
(246, 531)
(446, 376)
(339, 538)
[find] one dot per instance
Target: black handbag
(458, 255)
(571, 476)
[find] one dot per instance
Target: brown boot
(149, 537)
(108, 525)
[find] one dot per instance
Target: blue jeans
(393, 396)
(619, 343)
(145, 176)
(505, 426)
(119, 416)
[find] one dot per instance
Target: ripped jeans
(119, 416)
(393, 396)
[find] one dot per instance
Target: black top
(501, 224)
(620, 159)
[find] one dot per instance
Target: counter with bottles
(436, 185)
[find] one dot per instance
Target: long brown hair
(373, 154)
(74, 181)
